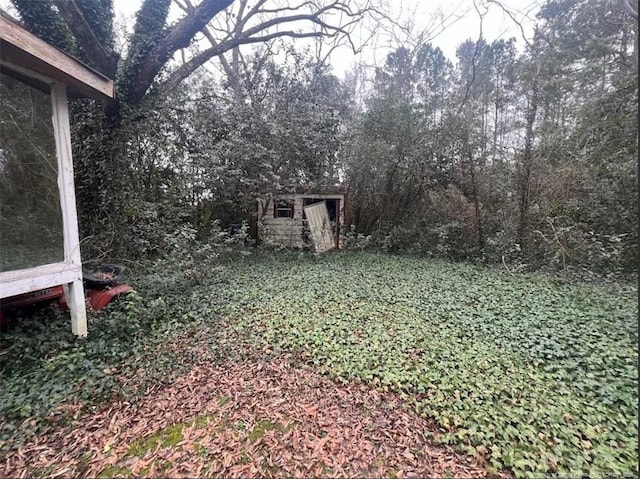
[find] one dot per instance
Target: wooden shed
(303, 216)
(39, 242)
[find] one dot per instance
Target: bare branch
(229, 71)
(334, 19)
(196, 62)
(177, 37)
(510, 14)
(631, 7)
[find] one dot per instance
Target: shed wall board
(288, 231)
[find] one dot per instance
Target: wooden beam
(20, 47)
(32, 279)
(74, 290)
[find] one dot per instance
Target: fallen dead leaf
(276, 420)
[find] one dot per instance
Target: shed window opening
(283, 209)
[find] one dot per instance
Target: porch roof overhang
(22, 51)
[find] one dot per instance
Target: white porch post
(74, 290)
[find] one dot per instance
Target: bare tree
(266, 20)
(79, 27)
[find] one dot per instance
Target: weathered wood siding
(288, 231)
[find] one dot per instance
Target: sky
(424, 15)
(463, 22)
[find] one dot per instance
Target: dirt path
(246, 420)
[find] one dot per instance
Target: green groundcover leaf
(536, 376)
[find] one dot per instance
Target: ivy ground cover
(527, 373)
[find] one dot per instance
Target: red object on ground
(40, 296)
(98, 299)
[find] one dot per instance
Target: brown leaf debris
(250, 419)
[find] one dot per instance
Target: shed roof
(21, 50)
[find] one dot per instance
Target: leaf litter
(245, 419)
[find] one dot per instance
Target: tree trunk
(526, 166)
(103, 176)
(476, 202)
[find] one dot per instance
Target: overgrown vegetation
(526, 156)
(521, 160)
(533, 374)
(503, 155)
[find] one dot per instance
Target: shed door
(320, 227)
